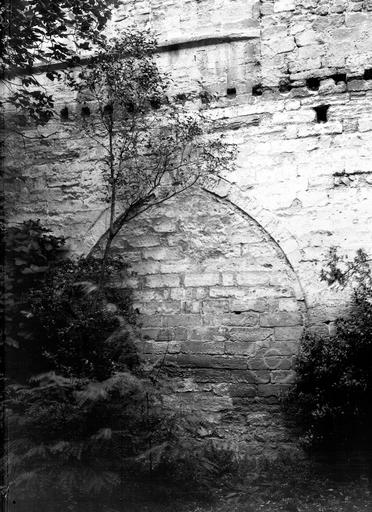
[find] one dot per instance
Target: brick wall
(224, 279)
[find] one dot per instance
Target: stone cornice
(171, 45)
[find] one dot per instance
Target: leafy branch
(45, 32)
(155, 149)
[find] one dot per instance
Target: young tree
(154, 147)
(43, 33)
(94, 412)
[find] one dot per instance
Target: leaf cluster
(34, 32)
(334, 387)
(154, 147)
(54, 321)
(77, 437)
(87, 426)
(28, 252)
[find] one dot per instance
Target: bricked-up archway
(217, 301)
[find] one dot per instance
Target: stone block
(182, 320)
(164, 225)
(306, 38)
(252, 278)
(211, 361)
(286, 348)
(249, 334)
(284, 5)
(242, 391)
(365, 124)
(228, 279)
(207, 334)
(288, 304)
(150, 295)
(271, 361)
(332, 127)
(357, 85)
(216, 307)
(143, 268)
(356, 19)
(178, 294)
(250, 376)
(274, 360)
(280, 319)
(199, 293)
(150, 320)
(247, 319)
(130, 282)
(191, 306)
(202, 347)
(160, 253)
(288, 333)
(240, 348)
(157, 334)
(283, 377)
(144, 241)
(175, 267)
(279, 45)
(202, 279)
(272, 390)
(161, 348)
(338, 6)
(247, 304)
(294, 116)
(213, 404)
(180, 333)
(201, 375)
(225, 291)
(156, 308)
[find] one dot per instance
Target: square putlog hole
(257, 90)
(321, 113)
(339, 77)
(313, 84)
(231, 92)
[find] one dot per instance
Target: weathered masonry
(225, 279)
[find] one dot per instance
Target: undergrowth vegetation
(87, 426)
(333, 394)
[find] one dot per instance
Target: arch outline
(249, 206)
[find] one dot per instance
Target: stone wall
(224, 279)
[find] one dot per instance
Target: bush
(333, 394)
(74, 427)
(87, 426)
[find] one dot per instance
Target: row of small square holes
(321, 112)
(311, 83)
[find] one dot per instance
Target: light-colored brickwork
(224, 279)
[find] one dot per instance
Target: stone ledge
(208, 40)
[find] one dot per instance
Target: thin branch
(126, 218)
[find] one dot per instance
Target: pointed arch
(280, 236)
(246, 204)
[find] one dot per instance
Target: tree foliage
(154, 147)
(87, 426)
(334, 388)
(45, 32)
(85, 414)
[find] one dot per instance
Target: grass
(286, 489)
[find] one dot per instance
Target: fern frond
(103, 433)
